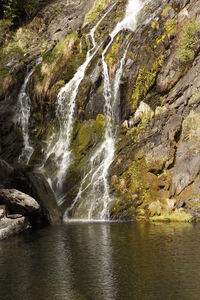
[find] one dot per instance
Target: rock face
(156, 171)
(6, 174)
(45, 196)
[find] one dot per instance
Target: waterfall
(66, 104)
(93, 198)
(23, 115)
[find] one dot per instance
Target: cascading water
(66, 104)
(23, 114)
(93, 198)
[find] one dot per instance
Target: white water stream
(23, 115)
(93, 198)
(66, 104)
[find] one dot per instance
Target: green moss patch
(188, 42)
(176, 216)
(145, 80)
(97, 7)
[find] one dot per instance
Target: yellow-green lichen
(145, 80)
(170, 25)
(112, 54)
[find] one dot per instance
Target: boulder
(19, 203)
(10, 227)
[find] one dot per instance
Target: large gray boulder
(19, 203)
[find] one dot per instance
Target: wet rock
(42, 191)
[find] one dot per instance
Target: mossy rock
(188, 42)
(178, 215)
(145, 80)
(97, 7)
(87, 133)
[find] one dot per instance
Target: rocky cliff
(156, 169)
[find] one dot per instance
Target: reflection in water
(102, 261)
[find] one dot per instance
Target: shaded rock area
(45, 197)
(19, 211)
(26, 201)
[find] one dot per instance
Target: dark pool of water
(102, 262)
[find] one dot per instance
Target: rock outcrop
(19, 203)
(156, 171)
(18, 213)
(10, 227)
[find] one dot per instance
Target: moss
(145, 80)
(170, 25)
(160, 39)
(154, 25)
(85, 139)
(166, 11)
(169, 28)
(112, 54)
(106, 26)
(97, 7)
(63, 45)
(58, 67)
(130, 188)
(87, 134)
(99, 125)
(176, 216)
(188, 42)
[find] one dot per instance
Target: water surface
(102, 261)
